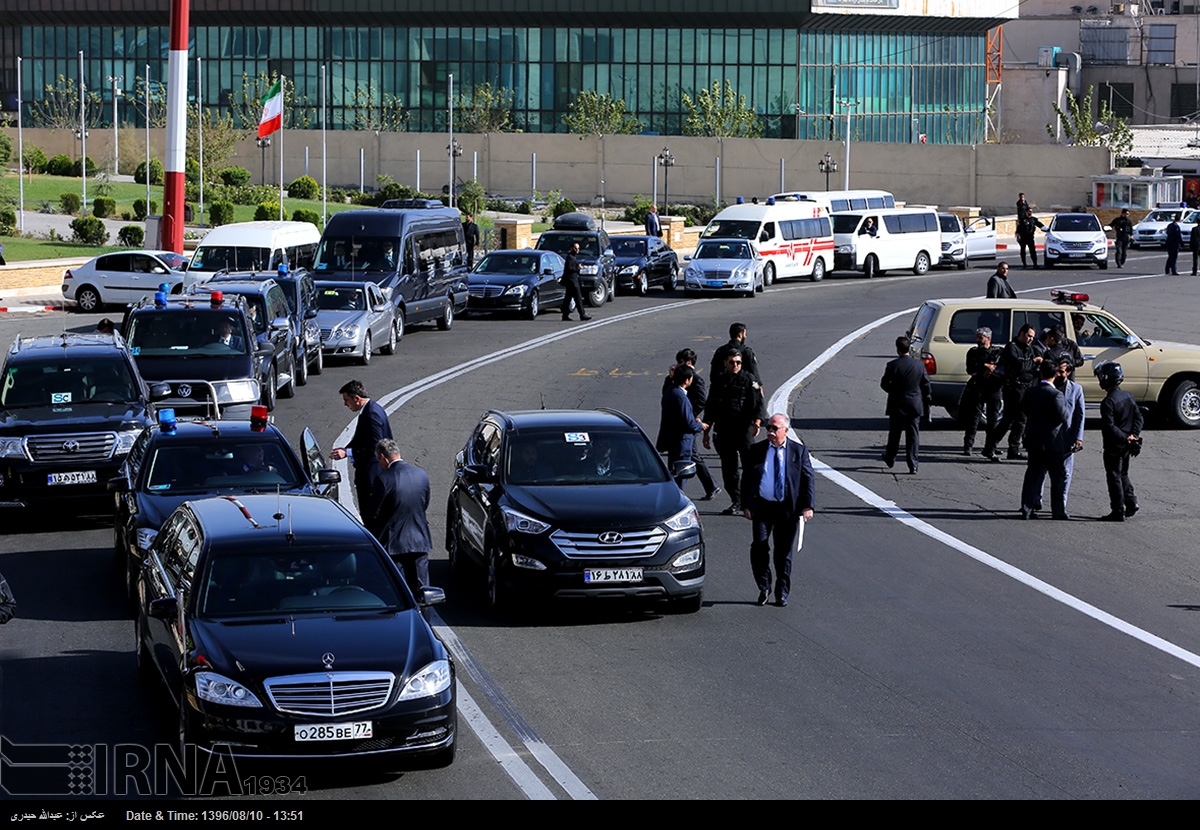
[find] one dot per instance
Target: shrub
(6, 148)
(156, 172)
(563, 206)
(306, 215)
(89, 230)
(60, 165)
(473, 198)
(132, 236)
(266, 211)
(501, 206)
(103, 206)
(8, 220)
(77, 168)
(139, 209)
(525, 208)
(70, 202)
(636, 212)
(35, 160)
(220, 213)
(235, 176)
(305, 187)
(191, 170)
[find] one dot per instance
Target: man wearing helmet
(1121, 425)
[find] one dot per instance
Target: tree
(1108, 130)
(220, 135)
(368, 110)
(720, 113)
(593, 114)
(486, 109)
(58, 108)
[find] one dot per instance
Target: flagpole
(20, 151)
(200, 128)
(324, 186)
(148, 177)
(281, 85)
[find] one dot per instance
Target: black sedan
(643, 261)
(572, 505)
(281, 629)
(174, 462)
(525, 281)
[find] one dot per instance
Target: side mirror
(160, 391)
(431, 596)
(477, 473)
(684, 469)
(280, 324)
(328, 477)
(120, 484)
(311, 314)
(166, 608)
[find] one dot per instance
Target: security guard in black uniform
(1121, 425)
(735, 410)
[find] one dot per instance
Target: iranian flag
(272, 117)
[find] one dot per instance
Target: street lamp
(454, 150)
(263, 143)
(849, 104)
(667, 161)
(827, 165)
(116, 79)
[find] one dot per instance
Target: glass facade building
(897, 84)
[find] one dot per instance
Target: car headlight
(527, 562)
(589, 269)
(125, 441)
(237, 391)
(685, 519)
(517, 291)
(517, 522)
(220, 689)
(844, 249)
(12, 448)
(346, 332)
(629, 270)
(431, 680)
(146, 537)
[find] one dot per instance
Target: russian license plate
(335, 731)
(715, 283)
(593, 575)
(81, 477)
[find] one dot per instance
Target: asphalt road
(935, 646)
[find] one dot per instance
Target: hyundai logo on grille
(610, 537)
(70, 446)
(184, 390)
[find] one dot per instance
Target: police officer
(1121, 426)
(1019, 364)
(981, 398)
(1058, 347)
(735, 413)
(1123, 230)
(570, 281)
(737, 343)
(1027, 223)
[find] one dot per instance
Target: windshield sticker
(60, 397)
(577, 438)
(159, 487)
(135, 350)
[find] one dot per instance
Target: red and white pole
(175, 161)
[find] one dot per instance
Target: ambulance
(794, 238)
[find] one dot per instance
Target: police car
(179, 460)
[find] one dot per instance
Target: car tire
(269, 390)
(769, 274)
(319, 364)
(442, 758)
(535, 306)
(1048, 263)
(641, 286)
(871, 267)
(365, 360)
(401, 323)
(87, 299)
(687, 605)
(454, 551)
(497, 600)
(1103, 264)
(390, 346)
(596, 297)
(186, 735)
(446, 321)
(131, 577)
(672, 278)
(1185, 404)
(289, 388)
(818, 271)
(301, 370)
(962, 266)
(145, 668)
(921, 266)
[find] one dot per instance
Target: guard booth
(1136, 192)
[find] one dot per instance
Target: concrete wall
(988, 175)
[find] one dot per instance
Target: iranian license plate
(594, 575)
(80, 477)
(1078, 256)
(335, 731)
(715, 283)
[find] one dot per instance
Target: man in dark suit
(471, 237)
(371, 428)
(908, 398)
(570, 281)
(1174, 243)
(398, 517)
(697, 394)
(679, 426)
(1121, 425)
(778, 492)
(1046, 415)
(653, 225)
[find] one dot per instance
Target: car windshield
(561, 243)
(949, 224)
(509, 264)
(173, 260)
(297, 582)
(563, 458)
(378, 254)
(1163, 216)
(63, 382)
(723, 250)
(243, 465)
(732, 229)
(179, 334)
(629, 247)
(846, 222)
(349, 298)
(1075, 223)
(230, 258)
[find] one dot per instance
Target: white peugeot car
(1076, 238)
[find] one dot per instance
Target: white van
(840, 201)
(873, 242)
(794, 239)
(256, 246)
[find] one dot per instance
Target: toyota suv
(71, 406)
(1162, 375)
(597, 262)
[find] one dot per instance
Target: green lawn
(20, 250)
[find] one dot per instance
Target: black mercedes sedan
(525, 281)
(643, 261)
(572, 505)
(281, 629)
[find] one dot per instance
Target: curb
(28, 309)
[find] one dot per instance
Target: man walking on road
(1174, 243)
(734, 412)
(1046, 416)
(908, 398)
(998, 287)
(398, 518)
(697, 394)
(1123, 234)
(570, 281)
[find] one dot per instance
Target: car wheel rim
(392, 338)
(493, 580)
(366, 358)
(1189, 404)
(533, 305)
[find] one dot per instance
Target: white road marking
(509, 761)
(778, 403)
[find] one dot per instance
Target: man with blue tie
(778, 493)
(653, 225)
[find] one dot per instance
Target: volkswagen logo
(70, 446)
(327, 660)
(184, 390)
(610, 537)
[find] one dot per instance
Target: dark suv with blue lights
(572, 505)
